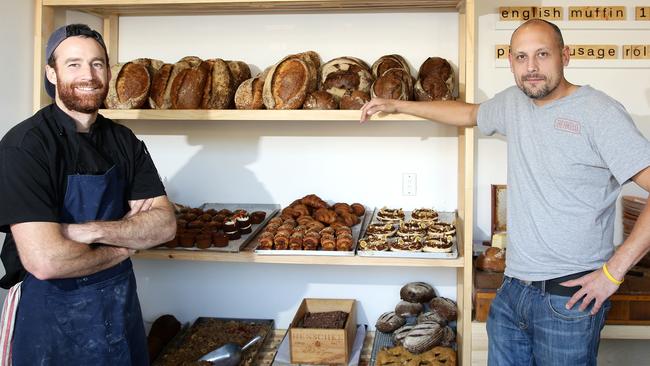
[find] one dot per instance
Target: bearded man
(80, 194)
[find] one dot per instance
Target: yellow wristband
(609, 276)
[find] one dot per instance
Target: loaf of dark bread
(131, 82)
(345, 73)
(393, 84)
(162, 331)
(448, 337)
(433, 74)
(423, 337)
(431, 316)
(389, 321)
(417, 292)
(406, 308)
(354, 99)
(493, 260)
(388, 62)
(447, 308)
(320, 99)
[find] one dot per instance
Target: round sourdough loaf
(406, 309)
(447, 308)
(417, 292)
(389, 321)
(345, 73)
(320, 99)
(131, 82)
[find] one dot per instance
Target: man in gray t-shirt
(570, 149)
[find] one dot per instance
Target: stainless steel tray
(235, 246)
(187, 334)
(356, 234)
(381, 341)
(449, 217)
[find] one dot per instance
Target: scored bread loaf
(393, 84)
(389, 321)
(423, 337)
(188, 85)
(249, 94)
(388, 62)
(131, 82)
(158, 95)
(345, 73)
(447, 308)
(288, 82)
(435, 80)
(417, 292)
(220, 87)
(239, 71)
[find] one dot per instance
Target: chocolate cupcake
(229, 225)
(219, 240)
(243, 221)
(203, 240)
(257, 217)
(246, 229)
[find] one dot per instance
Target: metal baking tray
(448, 217)
(235, 246)
(186, 335)
(381, 341)
(356, 234)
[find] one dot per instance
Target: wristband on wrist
(610, 277)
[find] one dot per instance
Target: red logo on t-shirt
(567, 125)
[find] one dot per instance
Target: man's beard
(86, 103)
(539, 92)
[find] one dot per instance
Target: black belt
(553, 286)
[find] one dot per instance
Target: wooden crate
(323, 346)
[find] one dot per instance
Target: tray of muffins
(224, 227)
(312, 226)
(421, 233)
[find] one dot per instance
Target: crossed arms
(51, 250)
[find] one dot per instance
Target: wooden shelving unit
(111, 11)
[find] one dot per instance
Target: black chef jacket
(38, 154)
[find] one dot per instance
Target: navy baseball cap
(61, 34)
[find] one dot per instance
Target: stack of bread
(420, 321)
(190, 83)
(309, 223)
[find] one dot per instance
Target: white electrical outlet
(409, 184)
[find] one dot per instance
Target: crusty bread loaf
(158, 95)
(447, 308)
(249, 94)
(435, 80)
(345, 73)
(406, 308)
(287, 84)
(188, 85)
(493, 259)
(354, 99)
(320, 99)
(389, 321)
(220, 87)
(239, 71)
(387, 62)
(432, 316)
(423, 337)
(393, 84)
(417, 292)
(131, 82)
(400, 333)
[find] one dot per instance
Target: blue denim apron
(90, 320)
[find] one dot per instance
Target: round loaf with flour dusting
(417, 292)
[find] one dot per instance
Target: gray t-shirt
(567, 161)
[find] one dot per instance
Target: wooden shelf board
(251, 257)
(188, 7)
(247, 115)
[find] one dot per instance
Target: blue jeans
(529, 327)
